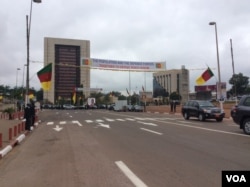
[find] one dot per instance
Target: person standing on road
(174, 105)
(171, 105)
(27, 116)
(32, 113)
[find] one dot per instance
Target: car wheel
(246, 126)
(186, 116)
(201, 117)
(219, 119)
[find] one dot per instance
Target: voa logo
(236, 178)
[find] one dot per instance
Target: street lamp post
(17, 76)
(23, 98)
(15, 97)
(218, 64)
(28, 27)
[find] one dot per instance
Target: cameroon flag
(74, 96)
(44, 76)
(206, 75)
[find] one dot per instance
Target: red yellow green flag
(74, 96)
(44, 76)
(206, 75)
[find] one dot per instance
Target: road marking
(89, 121)
(50, 123)
(129, 119)
(120, 119)
(151, 131)
(78, 123)
(104, 125)
(203, 128)
(62, 122)
(58, 128)
(109, 119)
(132, 177)
(140, 118)
(99, 120)
(152, 124)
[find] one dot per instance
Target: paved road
(103, 148)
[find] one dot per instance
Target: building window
(67, 70)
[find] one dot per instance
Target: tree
(134, 99)
(122, 97)
(239, 84)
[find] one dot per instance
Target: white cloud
(138, 30)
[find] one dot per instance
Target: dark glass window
(67, 70)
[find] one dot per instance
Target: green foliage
(240, 84)
(9, 110)
(122, 97)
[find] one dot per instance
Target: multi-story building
(68, 72)
(175, 80)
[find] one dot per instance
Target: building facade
(175, 80)
(67, 71)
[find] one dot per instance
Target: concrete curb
(17, 141)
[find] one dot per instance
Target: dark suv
(241, 114)
(202, 110)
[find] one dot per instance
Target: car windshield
(206, 104)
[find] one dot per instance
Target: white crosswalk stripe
(141, 118)
(50, 123)
(89, 121)
(107, 119)
(130, 119)
(120, 119)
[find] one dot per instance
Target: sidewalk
(12, 132)
(9, 130)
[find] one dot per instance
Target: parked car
(202, 110)
(137, 108)
(68, 106)
(241, 114)
(130, 107)
(111, 107)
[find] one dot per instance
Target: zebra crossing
(108, 120)
(125, 119)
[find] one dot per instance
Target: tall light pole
(17, 76)
(23, 82)
(28, 27)
(234, 78)
(17, 69)
(218, 63)
(15, 97)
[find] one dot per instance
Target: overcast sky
(177, 32)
